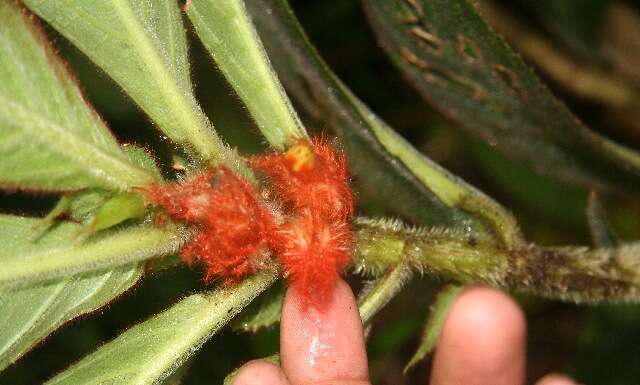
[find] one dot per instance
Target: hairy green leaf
(51, 139)
(177, 377)
(30, 314)
(117, 210)
(26, 264)
(264, 312)
(463, 68)
(86, 206)
(434, 324)
(142, 158)
(376, 294)
(228, 34)
(150, 351)
(142, 46)
(386, 167)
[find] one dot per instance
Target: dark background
(597, 345)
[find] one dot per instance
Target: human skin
(483, 341)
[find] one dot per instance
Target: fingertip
(323, 345)
(482, 319)
(260, 372)
(556, 379)
(482, 341)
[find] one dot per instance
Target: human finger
(555, 379)
(483, 341)
(260, 372)
(323, 346)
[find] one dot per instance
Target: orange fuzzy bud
(313, 252)
(311, 175)
(233, 225)
(236, 231)
(314, 243)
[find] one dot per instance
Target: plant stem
(576, 274)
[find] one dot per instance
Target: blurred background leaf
(461, 67)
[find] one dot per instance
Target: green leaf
(264, 312)
(100, 209)
(82, 205)
(228, 34)
(142, 158)
(117, 210)
(177, 377)
(59, 253)
(464, 69)
(142, 46)
(376, 294)
(78, 206)
(434, 324)
(30, 314)
(51, 139)
(387, 169)
(150, 351)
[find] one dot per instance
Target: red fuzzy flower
(314, 243)
(313, 252)
(310, 175)
(236, 230)
(233, 225)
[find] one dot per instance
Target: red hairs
(314, 243)
(236, 229)
(233, 226)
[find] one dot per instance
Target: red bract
(233, 225)
(314, 243)
(313, 252)
(310, 175)
(235, 229)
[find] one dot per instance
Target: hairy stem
(577, 274)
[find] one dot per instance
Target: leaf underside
(150, 351)
(61, 252)
(32, 313)
(142, 46)
(228, 34)
(51, 138)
